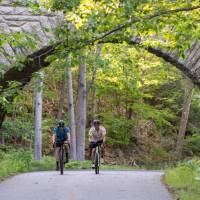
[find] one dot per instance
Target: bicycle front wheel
(97, 163)
(61, 161)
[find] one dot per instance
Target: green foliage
(33, 4)
(118, 128)
(161, 117)
(9, 93)
(159, 154)
(47, 128)
(155, 23)
(14, 161)
(15, 40)
(18, 130)
(78, 165)
(64, 5)
(118, 167)
(47, 163)
(192, 145)
(135, 79)
(185, 178)
(87, 165)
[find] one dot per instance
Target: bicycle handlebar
(98, 142)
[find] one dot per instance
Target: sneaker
(102, 161)
(93, 166)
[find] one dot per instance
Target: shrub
(192, 144)
(18, 130)
(118, 129)
(47, 163)
(19, 160)
(78, 165)
(14, 161)
(185, 178)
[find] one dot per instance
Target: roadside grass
(87, 165)
(78, 165)
(13, 161)
(46, 164)
(185, 180)
(119, 167)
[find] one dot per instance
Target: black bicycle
(97, 160)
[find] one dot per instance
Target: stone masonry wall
(24, 20)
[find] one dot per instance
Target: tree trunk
(62, 99)
(94, 104)
(81, 112)
(184, 118)
(38, 118)
(71, 111)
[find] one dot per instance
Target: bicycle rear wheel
(61, 161)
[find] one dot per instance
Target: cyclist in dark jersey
(61, 134)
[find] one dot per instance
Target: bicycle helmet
(61, 123)
(96, 121)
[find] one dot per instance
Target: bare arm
(54, 137)
(104, 135)
(90, 138)
(104, 138)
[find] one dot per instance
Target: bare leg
(57, 152)
(102, 151)
(66, 147)
(90, 153)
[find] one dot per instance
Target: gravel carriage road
(85, 185)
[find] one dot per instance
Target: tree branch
(33, 63)
(135, 20)
(168, 57)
